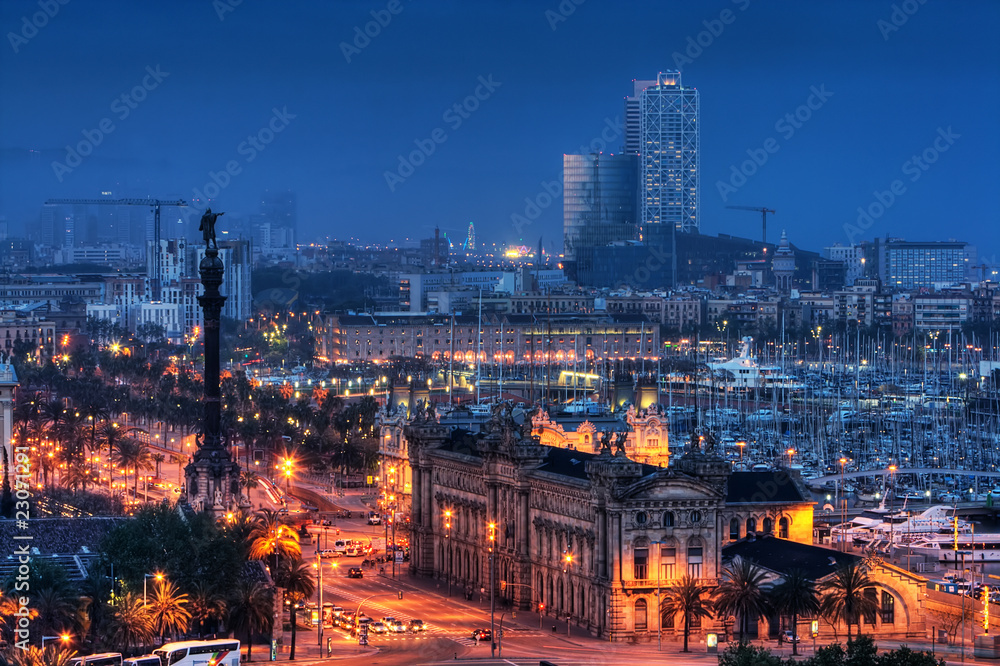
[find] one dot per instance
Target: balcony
(651, 583)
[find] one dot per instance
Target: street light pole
(319, 565)
(157, 576)
(843, 507)
(493, 642)
(447, 535)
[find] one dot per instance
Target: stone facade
(575, 531)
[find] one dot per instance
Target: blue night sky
(925, 87)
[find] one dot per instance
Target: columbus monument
(212, 476)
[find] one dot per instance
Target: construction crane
(763, 218)
(154, 279)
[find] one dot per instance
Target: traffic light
(503, 585)
(401, 594)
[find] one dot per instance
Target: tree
(206, 604)
(740, 593)
(794, 597)
(168, 609)
(296, 576)
(132, 454)
(272, 538)
(844, 595)
(688, 598)
(54, 655)
(131, 622)
(251, 610)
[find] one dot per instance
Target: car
(399, 627)
(389, 621)
(482, 635)
(417, 625)
(788, 637)
(355, 572)
(329, 552)
(374, 520)
(378, 628)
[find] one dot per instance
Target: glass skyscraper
(599, 201)
(668, 153)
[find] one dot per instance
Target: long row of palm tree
(742, 593)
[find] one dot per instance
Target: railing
(652, 583)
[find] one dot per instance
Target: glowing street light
(158, 576)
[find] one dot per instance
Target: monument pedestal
(213, 479)
(987, 646)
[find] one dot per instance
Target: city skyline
(825, 113)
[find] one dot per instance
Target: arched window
(641, 517)
(734, 529)
(695, 517)
(768, 526)
(668, 518)
(783, 528)
(871, 593)
(751, 525)
(888, 608)
(640, 615)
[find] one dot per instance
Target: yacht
(744, 371)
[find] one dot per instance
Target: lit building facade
(548, 338)
(587, 536)
(669, 154)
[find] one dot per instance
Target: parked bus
(145, 660)
(102, 659)
(225, 652)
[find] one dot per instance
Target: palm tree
(844, 595)
(272, 538)
(109, 435)
(56, 610)
(296, 576)
(206, 604)
(251, 610)
(158, 458)
(796, 596)
(741, 593)
(131, 622)
(249, 480)
(132, 454)
(53, 655)
(77, 475)
(168, 609)
(9, 607)
(688, 598)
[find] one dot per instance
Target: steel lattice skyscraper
(668, 153)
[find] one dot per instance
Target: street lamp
(447, 535)
(843, 505)
(157, 576)
(62, 637)
(659, 567)
(790, 452)
(493, 643)
(567, 563)
(892, 496)
(741, 445)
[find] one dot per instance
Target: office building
(668, 152)
(599, 201)
(633, 142)
(904, 265)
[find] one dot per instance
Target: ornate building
(646, 442)
(584, 535)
